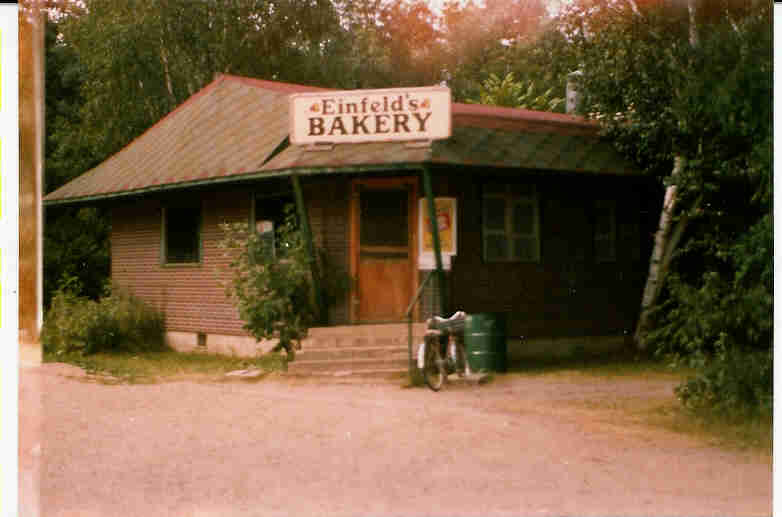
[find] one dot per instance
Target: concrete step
(377, 373)
(384, 330)
(318, 342)
(357, 350)
(352, 352)
(347, 366)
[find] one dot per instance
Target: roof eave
(227, 180)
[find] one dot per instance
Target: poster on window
(445, 208)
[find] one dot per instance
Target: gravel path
(521, 445)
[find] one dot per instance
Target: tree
(76, 247)
(116, 67)
(516, 94)
(142, 59)
(389, 43)
(692, 87)
(499, 39)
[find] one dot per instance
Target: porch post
(305, 228)
(438, 258)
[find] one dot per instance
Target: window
(511, 229)
(182, 233)
(269, 215)
(605, 231)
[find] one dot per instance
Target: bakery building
(538, 217)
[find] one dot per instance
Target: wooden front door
(383, 246)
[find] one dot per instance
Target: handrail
(417, 294)
(409, 316)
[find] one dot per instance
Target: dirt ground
(520, 445)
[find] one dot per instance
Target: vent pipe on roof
(573, 92)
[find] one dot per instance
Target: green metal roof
(235, 128)
(539, 151)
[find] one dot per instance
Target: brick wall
(328, 201)
(190, 295)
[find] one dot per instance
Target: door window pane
(384, 215)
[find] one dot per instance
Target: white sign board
(370, 115)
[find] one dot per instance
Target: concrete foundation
(241, 346)
(520, 349)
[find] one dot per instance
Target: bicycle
(442, 352)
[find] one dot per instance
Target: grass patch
(745, 432)
(617, 364)
(749, 432)
(742, 430)
(144, 367)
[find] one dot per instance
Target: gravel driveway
(521, 445)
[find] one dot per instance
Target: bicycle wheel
(434, 373)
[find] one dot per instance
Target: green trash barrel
(485, 342)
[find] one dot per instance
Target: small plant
(118, 322)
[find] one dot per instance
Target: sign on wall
(445, 207)
(370, 115)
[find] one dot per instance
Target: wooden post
(438, 259)
(313, 259)
(31, 141)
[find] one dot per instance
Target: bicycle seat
(454, 323)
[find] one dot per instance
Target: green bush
(272, 287)
(118, 322)
(720, 325)
(731, 382)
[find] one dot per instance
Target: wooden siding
(566, 293)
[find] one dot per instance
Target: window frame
(610, 236)
(287, 197)
(511, 198)
(164, 230)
